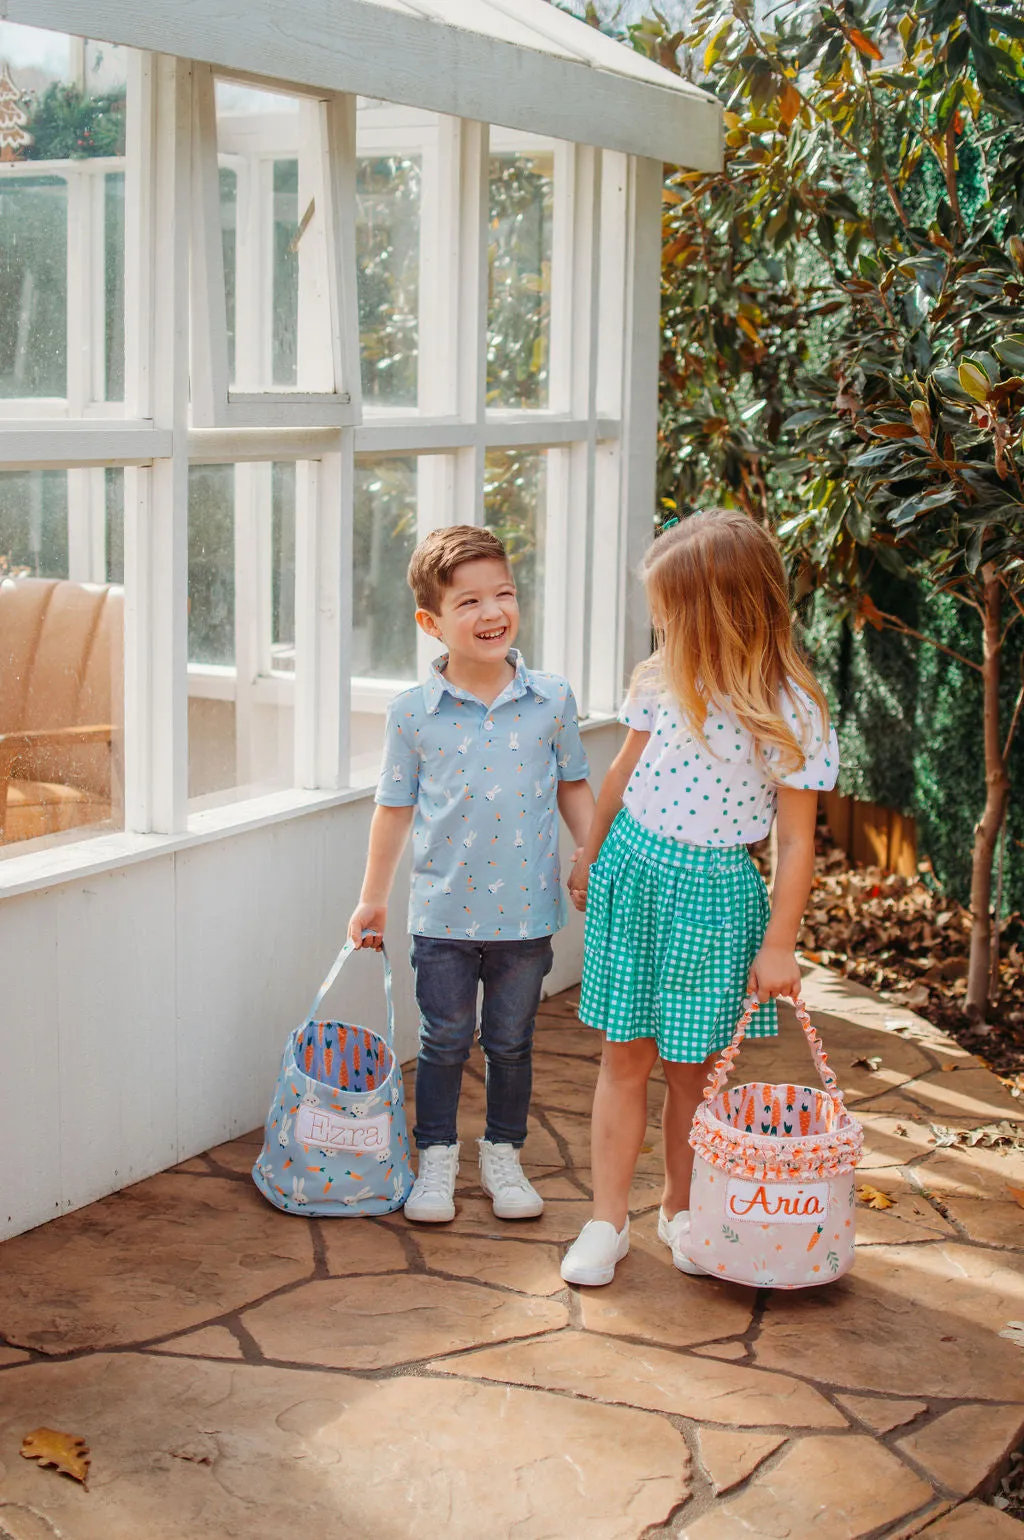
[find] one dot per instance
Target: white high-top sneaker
(502, 1179)
(432, 1200)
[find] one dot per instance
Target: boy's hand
(371, 917)
(579, 878)
(774, 971)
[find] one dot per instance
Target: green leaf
(1010, 351)
(972, 555)
(801, 418)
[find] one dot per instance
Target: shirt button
(488, 724)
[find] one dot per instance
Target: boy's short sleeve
(399, 781)
(639, 712)
(821, 766)
(569, 751)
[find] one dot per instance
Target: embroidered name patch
(781, 1202)
(333, 1132)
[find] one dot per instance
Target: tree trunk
(986, 832)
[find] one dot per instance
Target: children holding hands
(479, 761)
(728, 730)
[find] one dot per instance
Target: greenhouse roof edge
(519, 63)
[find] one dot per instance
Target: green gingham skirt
(671, 932)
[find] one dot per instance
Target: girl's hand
(579, 877)
(774, 971)
(371, 917)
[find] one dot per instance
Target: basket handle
(339, 962)
(720, 1074)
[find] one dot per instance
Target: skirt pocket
(688, 954)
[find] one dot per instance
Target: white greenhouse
(282, 288)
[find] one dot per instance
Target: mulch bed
(905, 939)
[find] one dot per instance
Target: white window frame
(598, 432)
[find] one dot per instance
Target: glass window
(33, 286)
(211, 564)
(383, 628)
(282, 572)
(34, 524)
(519, 258)
(61, 665)
(241, 630)
(274, 243)
(388, 267)
(515, 501)
(62, 142)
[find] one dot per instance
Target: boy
(479, 759)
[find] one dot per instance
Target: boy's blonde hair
(720, 601)
(435, 560)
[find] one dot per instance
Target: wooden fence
(872, 835)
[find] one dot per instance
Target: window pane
(211, 564)
(62, 139)
(285, 366)
(34, 524)
(388, 262)
(113, 284)
(33, 286)
(274, 242)
(282, 572)
(383, 629)
(515, 494)
(114, 510)
(229, 247)
(61, 664)
(519, 308)
(241, 711)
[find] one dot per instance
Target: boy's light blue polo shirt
(483, 780)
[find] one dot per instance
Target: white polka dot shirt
(723, 797)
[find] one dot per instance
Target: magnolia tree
(843, 349)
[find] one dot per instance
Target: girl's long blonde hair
(720, 601)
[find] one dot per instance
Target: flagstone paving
(240, 1372)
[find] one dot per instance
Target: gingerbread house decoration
(14, 135)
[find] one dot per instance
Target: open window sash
(327, 392)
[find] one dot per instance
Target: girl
(727, 725)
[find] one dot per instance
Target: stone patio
(239, 1372)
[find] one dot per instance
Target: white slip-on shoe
(592, 1256)
(502, 1179)
(676, 1235)
(432, 1200)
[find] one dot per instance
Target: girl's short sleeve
(821, 766)
(639, 713)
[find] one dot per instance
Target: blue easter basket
(335, 1142)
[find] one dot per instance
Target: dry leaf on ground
(873, 1063)
(1003, 1135)
(1017, 1194)
(873, 1198)
(61, 1451)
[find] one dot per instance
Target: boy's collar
(437, 684)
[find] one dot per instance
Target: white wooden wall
(144, 1009)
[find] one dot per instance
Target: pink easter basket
(772, 1197)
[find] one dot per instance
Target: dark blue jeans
(448, 976)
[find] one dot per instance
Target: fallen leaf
(899, 1129)
(873, 1062)
(1013, 1331)
(1003, 1134)
(61, 1451)
(1017, 1194)
(873, 1198)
